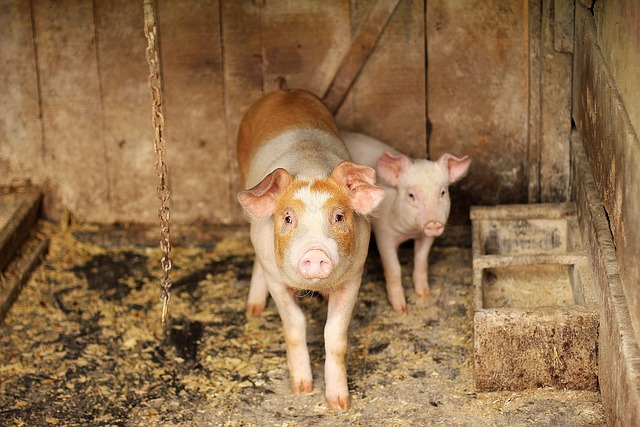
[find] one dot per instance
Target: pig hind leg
(258, 292)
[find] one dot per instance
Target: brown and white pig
(416, 206)
(307, 204)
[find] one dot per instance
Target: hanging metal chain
(159, 144)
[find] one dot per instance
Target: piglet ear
(259, 200)
(456, 167)
(360, 180)
(390, 167)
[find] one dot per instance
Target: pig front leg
(295, 336)
(388, 248)
(258, 292)
(340, 307)
(422, 246)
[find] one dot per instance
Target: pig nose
(434, 228)
(315, 264)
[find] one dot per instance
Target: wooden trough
(535, 319)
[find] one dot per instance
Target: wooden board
(388, 100)
(18, 213)
(126, 111)
(478, 96)
(18, 271)
(613, 150)
(618, 351)
(20, 249)
(242, 74)
(21, 147)
(304, 42)
(194, 110)
(74, 150)
(555, 100)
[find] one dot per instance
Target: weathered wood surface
(242, 74)
(19, 270)
(618, 351)
(74, 149)
(18, 213)
(388, 100)
(555, 99)
(618, 34)
(21, 145)
(478, 96)
(78, 108)
(613, 150)
(192, 68)
(126, 113)
(538, 342)
(361, 47)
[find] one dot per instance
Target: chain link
(159, 145)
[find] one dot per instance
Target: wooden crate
(535, 319)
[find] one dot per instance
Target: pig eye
(411, 195)
(289, 217)
(338, 218)
(443, 192)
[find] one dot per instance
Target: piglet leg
(339, 312)
(295, 336)
(388, 248)
(422, 246)
(258, 292)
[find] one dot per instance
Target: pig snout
(433, 228)
(315, 264)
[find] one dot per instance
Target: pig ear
(390, 167)
(360, 180)
(456, 167)
(259, 200)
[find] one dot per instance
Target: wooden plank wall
(499, 91)
(78, 107)
(612, 147)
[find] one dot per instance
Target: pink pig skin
(416, 206)
(307, 204)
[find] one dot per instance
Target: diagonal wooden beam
(361, 47)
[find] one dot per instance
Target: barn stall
(539, 93)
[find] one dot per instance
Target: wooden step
(18, 213)
(20, 249)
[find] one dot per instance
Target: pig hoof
(302, 386)
(401, 309)
(424, 294)
(254, 309)
(339, 402)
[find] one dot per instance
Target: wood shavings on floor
(83, 345)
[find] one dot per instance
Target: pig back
(283, 127)
(364, 149)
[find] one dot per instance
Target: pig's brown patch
(283, 232)
(339, 201)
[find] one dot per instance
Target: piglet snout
(315, 264)
(434, 228)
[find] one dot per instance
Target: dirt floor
(83, 345)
